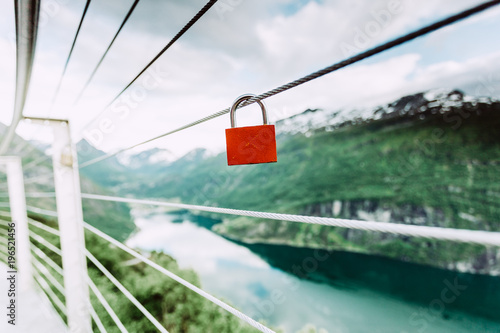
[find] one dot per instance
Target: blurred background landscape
(426, 159)
(409, 136)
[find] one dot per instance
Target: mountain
(431, 158)
(133, 171)
(112, 218)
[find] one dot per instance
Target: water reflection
(192, 246)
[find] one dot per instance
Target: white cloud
(477, 76)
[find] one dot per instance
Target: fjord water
(288, 288)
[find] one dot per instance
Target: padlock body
(251, 145)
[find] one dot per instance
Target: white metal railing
(41, 269)
(48, 282)
(185, 283)
(18, 219)
(27, 14)
(117, 283)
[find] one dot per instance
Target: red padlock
(252, 144)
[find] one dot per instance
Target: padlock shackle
(240, 100)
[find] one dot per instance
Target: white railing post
(70, 216)
(17, 201)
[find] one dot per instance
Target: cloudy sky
(239, 46)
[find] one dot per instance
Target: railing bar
(41, 195)
(43, 270)
(4, 213)
(47, 259)
(106, 305)
(45, 243)
(44, 227)
(97, 320)
(41, 211)
(48, 291)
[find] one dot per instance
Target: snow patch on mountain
(162, 156)
(313, 119)
(433, 101)
(133, 159)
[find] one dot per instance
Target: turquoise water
(336, 292)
